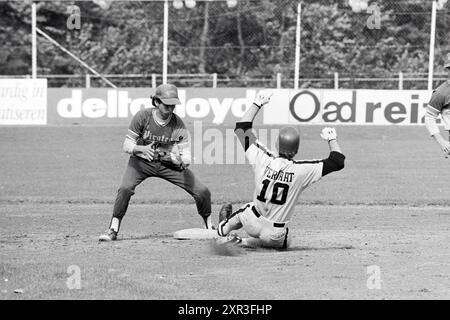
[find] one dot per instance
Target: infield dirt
(388, 209)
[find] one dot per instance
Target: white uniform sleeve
(128, 145)
(430, 120)
(258, 155)
(311, 172)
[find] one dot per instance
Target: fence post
(278, 80)
(33, 41)
(165, 41)
(214, 75)
(153, 80)
(336, 80)
(297, 45)
(432, 43)
(88, 80)
(400, 80)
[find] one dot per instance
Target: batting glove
(329, 134)
(262, 98)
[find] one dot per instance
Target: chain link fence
(382, 44)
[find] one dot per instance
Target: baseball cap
(168, 94)
(447, 61)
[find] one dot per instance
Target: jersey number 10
(274, 199)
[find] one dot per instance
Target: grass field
(389, 207)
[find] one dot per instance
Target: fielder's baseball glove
(171, 160)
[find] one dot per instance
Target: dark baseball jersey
(440, 102)
(144, 130)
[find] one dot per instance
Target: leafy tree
(254, 40)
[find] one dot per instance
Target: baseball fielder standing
(159, 145)
(279, 181)
(440, 105)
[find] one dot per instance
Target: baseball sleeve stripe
(183, 144)
(132, 133)
(131, 138)
(264, 149)
(307, 161)
(436, 111)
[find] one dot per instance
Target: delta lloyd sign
(224, 106)
(106, 105)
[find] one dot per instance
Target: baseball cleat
(234, 239)
(109, 235)
(225, 212)
(227, 246)
(229, 239)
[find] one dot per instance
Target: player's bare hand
(328, 134)
(263, 98)
(149, 152)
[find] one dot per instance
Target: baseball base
(195, 234)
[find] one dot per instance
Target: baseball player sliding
(159, 145)
(279, 181)
(440, 105)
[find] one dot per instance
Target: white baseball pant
(262, 232)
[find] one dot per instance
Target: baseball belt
(275, 224)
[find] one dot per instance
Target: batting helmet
(288, 142)
(447, 62)
(167, 94)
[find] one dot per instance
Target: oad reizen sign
(224, 106)
(378, 107)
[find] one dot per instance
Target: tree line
(255, 39)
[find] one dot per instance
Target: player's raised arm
(243, 128)
(336, 160)
(262, 98)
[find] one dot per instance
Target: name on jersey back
(278, 175)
